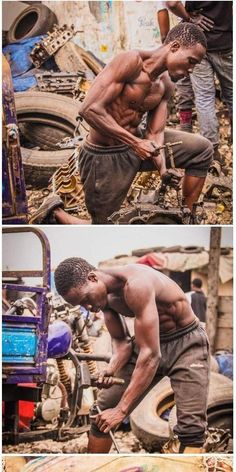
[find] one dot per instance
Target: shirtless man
(168, 341)
(133, 84)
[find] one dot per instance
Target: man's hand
(109, 419)
(202, 21)
(145, 149)
(105, 379)
(172, 178)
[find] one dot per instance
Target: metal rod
(111, 434)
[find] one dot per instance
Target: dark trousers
(108, 172)
(186, 360)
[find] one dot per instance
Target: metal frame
(31, 373)
(14, 199)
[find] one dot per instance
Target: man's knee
(201, 158)
(95, 431)
(206, 152)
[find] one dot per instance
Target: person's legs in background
(185, 103)
(222, 63)
(203, 84)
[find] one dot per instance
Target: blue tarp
(18, 56)
(20, 84)
(225, 361)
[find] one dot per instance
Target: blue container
(225, 361)
(59, 339)
(19, 344)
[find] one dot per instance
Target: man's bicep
(104, 90)
(115, 324)
(146, 328)
(156, 120)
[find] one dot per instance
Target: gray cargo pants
(203, 82)
(108, 172)
(186, 360)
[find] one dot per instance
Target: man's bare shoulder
(140, 284)
(168, 84)
(138, 294)
(126, 63)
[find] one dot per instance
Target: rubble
(127, 442)
(78, 445)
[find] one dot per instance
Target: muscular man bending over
(134, 84)
(168, 341)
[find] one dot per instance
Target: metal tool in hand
(169, 147)
(115, 380)
(97, 410)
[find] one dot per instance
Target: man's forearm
(121, 355)
(159, 160)
(178, 9)
(141, 379)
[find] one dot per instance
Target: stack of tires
(46, 118)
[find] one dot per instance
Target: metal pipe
(110, 433)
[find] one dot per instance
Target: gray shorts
(186, 360)
(108, 172)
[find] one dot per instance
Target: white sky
(96, 243)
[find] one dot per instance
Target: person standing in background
(215, 19)
(198, 300)
(185, 95)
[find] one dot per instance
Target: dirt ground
(127, 443)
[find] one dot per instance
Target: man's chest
(142, 94)
(117, 303)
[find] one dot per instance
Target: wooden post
(213, 285)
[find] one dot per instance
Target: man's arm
(140, 298)
(106, 88)
(163, 21)
(178, 9)
(156, 122)
(121, 345)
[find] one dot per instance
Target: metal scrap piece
(66, 183)
(59, 82)
(50, 45)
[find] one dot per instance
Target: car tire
(146, 422)
(55, 111)
(33, 21)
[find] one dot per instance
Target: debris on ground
(127, 442)
(48, 446)
(217, 209)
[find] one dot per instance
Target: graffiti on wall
(110, 26)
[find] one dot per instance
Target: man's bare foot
(44, 212)
(64, 218)
(51, 212)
